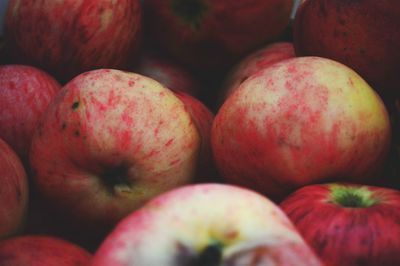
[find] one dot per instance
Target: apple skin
(205, 34)
(301, 121)
(68, 37)
(38, 250)
(25, 94)
(244, 227)
(360, 34)
(203, 119)
(256, 61)
(348, 236)
(109, 141)
(167, 72)
(13, 192)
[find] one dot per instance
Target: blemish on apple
(75, 105)
(169, 142)
(174, 162)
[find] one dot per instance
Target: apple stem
(352, 196)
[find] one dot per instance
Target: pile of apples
(200, 132)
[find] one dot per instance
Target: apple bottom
(206, 224)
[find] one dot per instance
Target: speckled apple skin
(347, 236)
(25, 94)
(304, 120)
(40, 250)
(363, 35)
(176, 226)
(68, 37)
(13, 192)
(253, 62)
(105, 119)
(203, 119)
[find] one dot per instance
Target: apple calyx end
(115, 179)
(211, 255)
(352, 196)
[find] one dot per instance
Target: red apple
(348, 224)
(13, 192)
(109, 142)
(210, 35)
(364, 35)
(255, 61)
(167, 72)
(203, 119)
(42, 251)
(206, 225)
(68, 37)
(25, 94)
(301, 121)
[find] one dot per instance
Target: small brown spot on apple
(232, 234)
(75, 105)
(350, 81)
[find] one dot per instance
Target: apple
(41, 220)
(206, 224)
(360, 34)
(253, 62)
(35, 250)
(110, 141)
(203, 119)
(301, 121)
(167, 72)
(211, 35)
(13, 192)
(68, 37)
(348, 224)
(25, 94)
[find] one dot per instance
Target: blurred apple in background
(110, 141)
(301, 121)
(348, 224)
(203, 119)
(13, 192)
(167, 72)
(42, 251)
(206, 225)
(25, 93)
(363, 35)
(69, 37)
(211, 35)
(255, 61)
